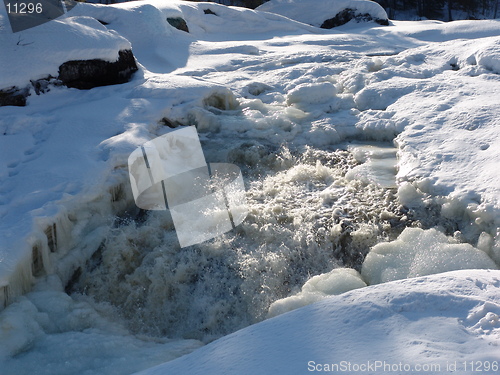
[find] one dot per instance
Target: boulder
(14, 96)
(179, 23)
(86, 74)
(327, 13)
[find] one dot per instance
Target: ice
(42, 332)
(419, 252)
(317, 288)
(378, 165)
(409, 196)
(311, 93)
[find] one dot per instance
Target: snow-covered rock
(327, 14)
(14, 96)
(39, 52)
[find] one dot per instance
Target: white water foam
(305, 218)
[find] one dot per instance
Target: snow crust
(315, 12)
(449, 317)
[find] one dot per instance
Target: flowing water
(310, 210)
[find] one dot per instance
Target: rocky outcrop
(348, 14)
(86, 74)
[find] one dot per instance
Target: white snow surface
(251, 76)
(315, 12)
(429, 321)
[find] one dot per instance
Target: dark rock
(166, 122)
(382, 21)
(348, 14)
(14, 96)
(86, 74)
(209, 11)
(80, 74)
(179, 23)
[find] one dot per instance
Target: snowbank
(315, 12)
(452, 129)
(438, 31)
(451, 317)
(488, 55)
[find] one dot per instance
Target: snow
(334, 131)
(488, 55)
(315, 12)
(438, 31)
(435, 321)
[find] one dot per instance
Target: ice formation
(317, 288)
(419, 252)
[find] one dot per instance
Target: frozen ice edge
(59, 243)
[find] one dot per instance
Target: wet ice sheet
(378, 164)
